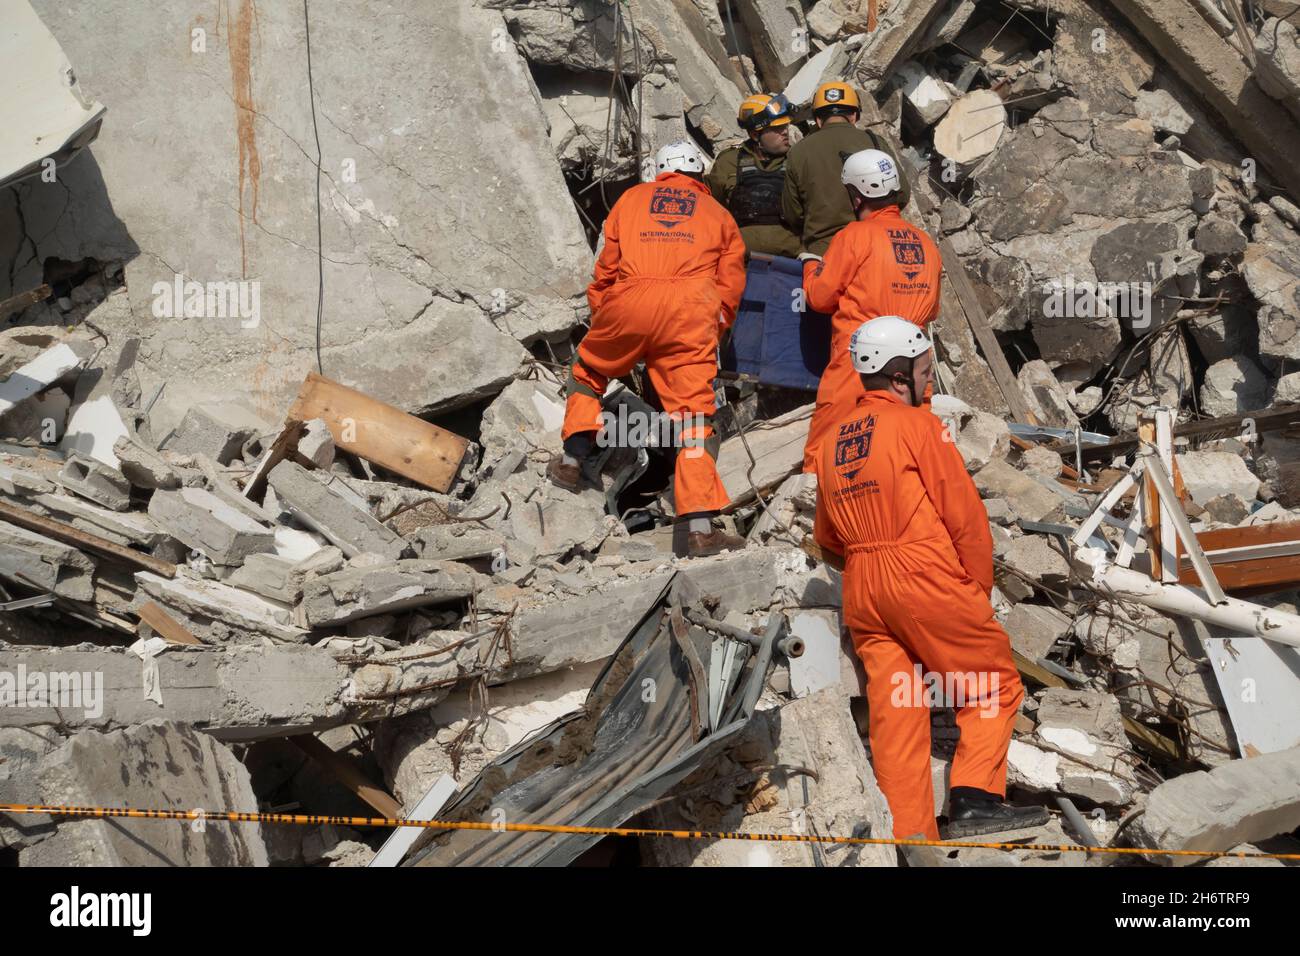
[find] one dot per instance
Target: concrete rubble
(225, 581)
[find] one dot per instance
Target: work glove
(807, 256)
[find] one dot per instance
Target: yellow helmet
(836, 96)
(762, 110)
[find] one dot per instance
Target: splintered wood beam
(346, 772)
(84, 540)
(381, 433)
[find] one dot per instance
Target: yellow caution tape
(316, 820)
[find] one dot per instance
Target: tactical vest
(756, 198)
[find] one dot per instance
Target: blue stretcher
(771, 341)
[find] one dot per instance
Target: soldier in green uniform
(749, 179)
(815, 204)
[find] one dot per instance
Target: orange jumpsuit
(894, 498)
(881, 265)
(672, 270)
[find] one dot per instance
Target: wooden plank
(1227, 426)
(1258, 575)
(166, 626)
(1250, 536)
(84, 539)
(978, 319)
(22, 301)
(381, 433)
(346, 772)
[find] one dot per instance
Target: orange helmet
(762, 110)
(839, 97)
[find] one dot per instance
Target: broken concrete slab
(217, 613)
(144, 467)
(1241, 801)
(233, 692)
(1034, 628)
(207, 524)
(1078, 749)
(121, 527)
(19, 482)
(457, 542)
(46, 564)
(1031, 500)
(777, 446)
(386, 248)
(354, 592)
(1234, 386)
(325, 511)
(173, 767)
(1210, 474)
(1277, 66)
(1211, 67)
(774, 26)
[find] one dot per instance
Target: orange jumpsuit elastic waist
(867, 547)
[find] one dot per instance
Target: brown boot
(568, 477)
(701, 544)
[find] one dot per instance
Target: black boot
(974, 812)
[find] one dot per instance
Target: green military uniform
(815, 202)
(756, 206)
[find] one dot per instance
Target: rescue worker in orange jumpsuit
(668, 280)
(895, 500)
(879, 265)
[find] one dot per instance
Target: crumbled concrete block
(457, 542)
(144, 467)
(1045, 396)
(1217, 238)
(1234, 386)
(123, 527)
(324, 510)
(171, 767)
(216, 612)
(1042, 461)
(1089, 725)
(96, 482)
(268, 575)
(317, 443)
(218, 430)
(1163, 112)
(1030, 499)
(1034, 628)
(982, 438)
(19, 482)
(356, 592)
(207, 524)
(1210, 474)
(236, 692)
(44, 563)
(1241, 801)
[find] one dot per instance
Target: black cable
(320, 254)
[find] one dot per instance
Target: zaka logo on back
(670, 206)
(853, 446)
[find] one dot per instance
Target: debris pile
(275, 561)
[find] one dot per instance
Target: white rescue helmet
(682, 156)
(884, 338)
(872, 173)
